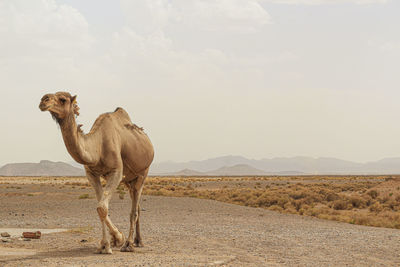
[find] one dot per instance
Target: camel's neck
(79, 146)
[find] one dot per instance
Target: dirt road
(184, 232)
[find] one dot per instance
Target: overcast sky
(257, 78)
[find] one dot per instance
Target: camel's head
(60, 105)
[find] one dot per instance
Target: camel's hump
(122, 112)
(130, 126)
(119, 109)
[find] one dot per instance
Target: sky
(207, 78)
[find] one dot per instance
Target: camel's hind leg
(138, 239)
(135, 189)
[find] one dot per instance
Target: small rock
(5, 240)
(5, 234)
(83, 240)
(34, 235)
(143, 209)
(27, 239)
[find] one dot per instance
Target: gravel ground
(184, 232)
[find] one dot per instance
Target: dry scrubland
(189, 231)
(363, 200)
(371, 201)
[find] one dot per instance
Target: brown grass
(355, 200)
(84, 196)
(121, 191)
(81, 230)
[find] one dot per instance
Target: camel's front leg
(113, 180)
(104, 246)
(103, 198)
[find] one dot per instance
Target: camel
(115, 149)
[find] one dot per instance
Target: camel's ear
(73, 99)
(75, 105)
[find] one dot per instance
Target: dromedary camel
(115, 149)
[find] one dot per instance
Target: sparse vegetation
(81, 230)
(355, 200)
(121, 192)
(82, 184)
(84, 196)
(365, 200)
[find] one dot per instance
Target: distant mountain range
(43, 168)
(224, 166)
(235, 170)
(238, 165)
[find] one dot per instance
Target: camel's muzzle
(43, 103)
(43, 106)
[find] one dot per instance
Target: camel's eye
(62, 100)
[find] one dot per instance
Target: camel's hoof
(127, 247)
(104, 250)
(138, 242)
(117, 241)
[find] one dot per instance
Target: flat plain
(210, 221)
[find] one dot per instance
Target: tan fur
(115, 149)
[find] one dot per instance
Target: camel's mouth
(44, 103)
(43, 107)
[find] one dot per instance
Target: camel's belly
(137, 156)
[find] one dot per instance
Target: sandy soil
(183, 232)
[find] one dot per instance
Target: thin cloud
(209, 15)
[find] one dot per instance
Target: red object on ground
(32, 235)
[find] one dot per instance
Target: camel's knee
(134, 216)
(102, 210)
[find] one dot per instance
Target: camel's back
(132, 142)
(110, 122)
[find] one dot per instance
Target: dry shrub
(376, 207)
(331, 196)
(373, 194)
(358, 202)
(392, 205)
(368, 200)
(84, 196)
(353, 200)
(298, 194)
(77, 183)
(340, 205)
(384, 199)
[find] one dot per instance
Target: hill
(235, 170)
(238, 169)
(43, 168)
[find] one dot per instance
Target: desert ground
(203, 221)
